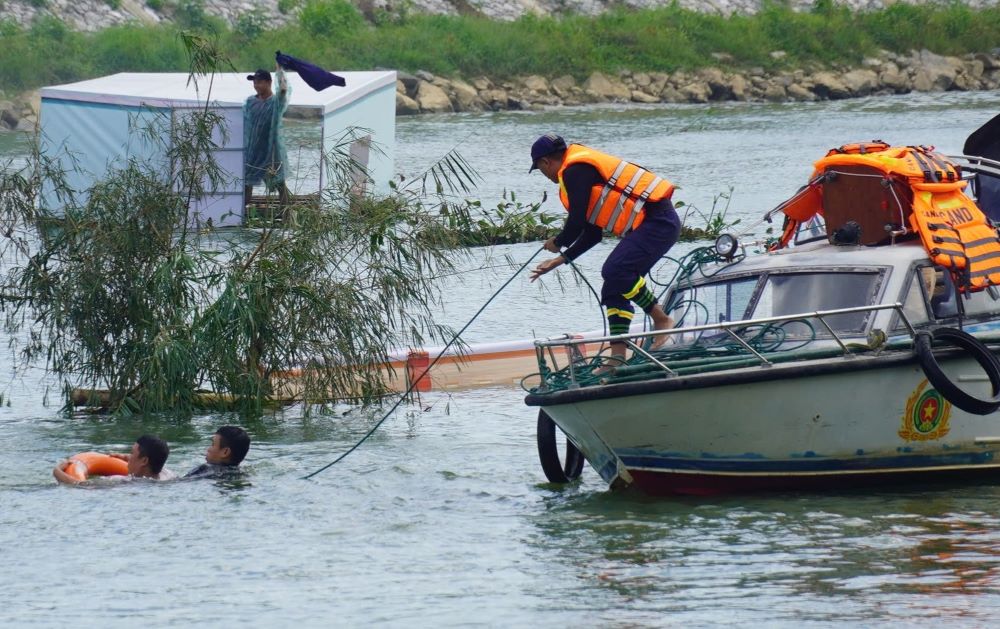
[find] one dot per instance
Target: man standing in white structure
(264, 156)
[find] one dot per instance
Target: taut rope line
(433, 362)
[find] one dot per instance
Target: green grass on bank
(332, 33)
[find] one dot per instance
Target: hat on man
(546, 145)
(260, 75)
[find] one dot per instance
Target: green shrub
(323, 18)
(287, 6)
(156, 5)
(191, 14)
(49, 27)
(46, 53)
(251, 24)
(9, 27)
(133, 48)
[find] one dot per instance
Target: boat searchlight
(726, 246)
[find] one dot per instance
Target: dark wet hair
(154, 449)
(237, 440)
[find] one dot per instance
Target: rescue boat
(859, 347)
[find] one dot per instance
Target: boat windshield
(793, 293)
(779, 294)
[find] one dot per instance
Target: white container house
(94, 125)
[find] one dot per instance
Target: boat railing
(975, 163)
(572, 345)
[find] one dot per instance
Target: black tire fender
(548, 453)
(940, 381)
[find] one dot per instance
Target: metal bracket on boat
(650, 357)
(898, 307)
(574, 354)
(895, 233)
(843, 346)
(747, 347)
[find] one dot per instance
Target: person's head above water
(229, 446)
(148, 456)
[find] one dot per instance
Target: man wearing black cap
(264, 156)
(606, 193)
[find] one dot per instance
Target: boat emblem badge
(927, 414)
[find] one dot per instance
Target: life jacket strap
(625, 195)
(929, 174)
(595, 211)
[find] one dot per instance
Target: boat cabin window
(717, 302)
(779, 294)
(939, 294)
(812, 230)
(914, 302)
(792, 293)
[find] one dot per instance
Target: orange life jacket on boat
(953, 230)
(859, 148)
(617, 205)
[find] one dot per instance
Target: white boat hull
(854, 421)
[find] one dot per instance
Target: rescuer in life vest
(605, 193)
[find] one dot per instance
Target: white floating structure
(94, 125)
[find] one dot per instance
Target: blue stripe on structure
(86, 104)
(806, 462)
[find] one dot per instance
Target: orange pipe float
(86, 464)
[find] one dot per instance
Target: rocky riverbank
(890, 73)
(920, 71)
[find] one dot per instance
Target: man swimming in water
(146, 460)
(229, 446)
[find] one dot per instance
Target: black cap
(260, 75)
(546, 145)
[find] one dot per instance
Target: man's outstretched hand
(547, 266)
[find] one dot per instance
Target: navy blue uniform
(631, 260)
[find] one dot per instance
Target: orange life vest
(956, 234)
(859, 148)
(616, 205)
(953, 230)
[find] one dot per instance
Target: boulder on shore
(860, 82)
(465, 97)
(432, 98)
(696, 92)
(603, 87)
(406, 106)
(9, 114)
(934, 73)
(829, 85)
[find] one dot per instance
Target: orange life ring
(86, 464)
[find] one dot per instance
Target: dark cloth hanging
(985, 141)
(314, 76)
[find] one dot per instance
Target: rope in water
(686, 267)
(432, 363)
